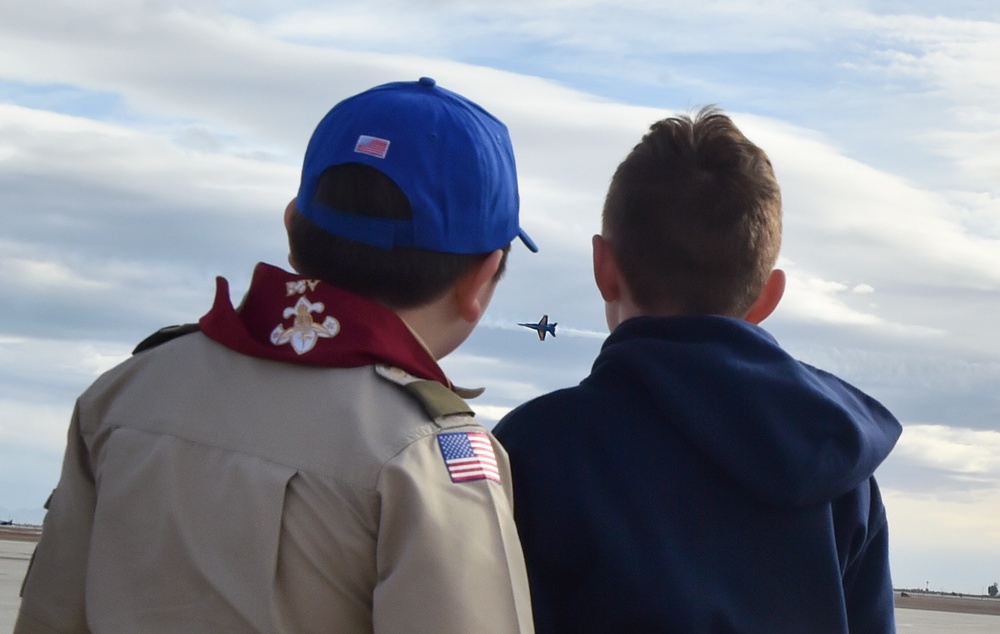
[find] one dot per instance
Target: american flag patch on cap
(469, 456)
(372, 146)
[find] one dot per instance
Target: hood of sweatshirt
(791, 434)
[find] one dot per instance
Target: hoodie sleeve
(866, 576)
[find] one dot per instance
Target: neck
(439, 328)
(624, 309)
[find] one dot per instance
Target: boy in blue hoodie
(700, 479)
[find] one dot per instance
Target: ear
(475, 288)
(606, 269)
(768, 299)
(290, 211)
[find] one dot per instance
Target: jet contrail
(578, 332)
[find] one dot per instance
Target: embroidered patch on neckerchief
(305, 332)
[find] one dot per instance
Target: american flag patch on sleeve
(372, 146)
(469, 456)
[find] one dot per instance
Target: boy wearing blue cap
(700, 479)
(300, 463)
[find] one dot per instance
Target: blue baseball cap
(452, 160)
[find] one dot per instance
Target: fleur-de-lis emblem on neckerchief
(305, 332)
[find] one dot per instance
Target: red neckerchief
(295, 319)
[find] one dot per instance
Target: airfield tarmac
(917, 613)
(948, 603)
(14, 557)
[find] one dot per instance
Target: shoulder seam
(164, 335)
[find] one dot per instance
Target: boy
(301, 463)
(700, 479)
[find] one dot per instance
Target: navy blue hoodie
(702, 480)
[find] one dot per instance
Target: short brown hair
(693, 215)
(398, 278)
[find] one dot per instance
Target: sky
(147, 146)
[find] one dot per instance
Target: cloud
(46, 431)
(490, 415)
(942, 544)
(965, 453)
(941, 486)
(51, 277)
(147, 146)
(814, 299)
(947, 464)
(120, 228)
(832, 199)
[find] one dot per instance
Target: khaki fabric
(207, 491)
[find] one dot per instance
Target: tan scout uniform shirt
(277, 498)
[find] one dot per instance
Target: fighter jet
(543, 326)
